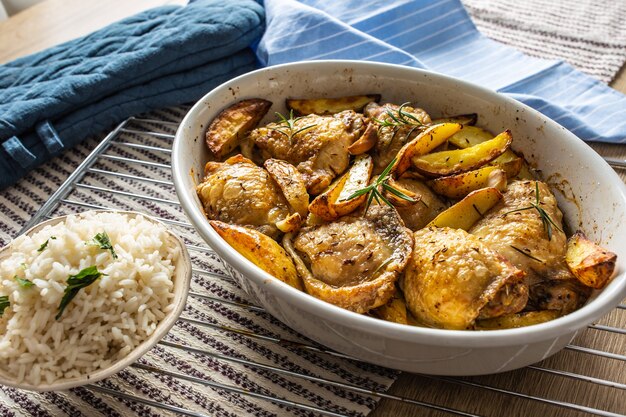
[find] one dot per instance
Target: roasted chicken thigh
(239, 192)
(319, 152)
(514, 229)
(354, 261)
(452, 279)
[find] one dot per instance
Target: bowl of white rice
(85, 295)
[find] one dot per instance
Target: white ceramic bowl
(599, 209)
(182, 280)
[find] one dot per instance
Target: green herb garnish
(44, 245)
(4, 303)
(374, 190)
(23, 282)
(102, 239)
(289, 125)
(547, 221)
(399, 119)
(75, 283)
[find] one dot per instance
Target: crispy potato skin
(233, 123)
(330, 105)
(459, 185)
(425, 142)
(461, 160)
(592, 265)
(334, 203)
(261, 250)
(366, 142)
(452, 277)
(394, 310)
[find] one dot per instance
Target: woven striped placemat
(590, 35)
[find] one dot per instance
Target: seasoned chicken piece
(354, 261)
(520, 235)
(564, 296)
(418, 215)
(452, 279)
(390, 138)
(239, 192)
(319, 152)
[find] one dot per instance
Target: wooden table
(55, 21)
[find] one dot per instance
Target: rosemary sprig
(4, 303)
(290, 124)
(75, 283)
(399, 119)
(526, 254)
(547, 221)
(373, 190)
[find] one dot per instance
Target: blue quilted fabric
(52, 100)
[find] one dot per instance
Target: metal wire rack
(148, 142)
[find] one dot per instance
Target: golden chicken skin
(418, 215)
(353, 262)
(453, 278)
(517, 230)
(239, 192)
(393, 137)
(316, 145)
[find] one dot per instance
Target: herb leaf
(4, 303)
(103, 240)
(44, 245)
(75, 283)
(289, 126)
(546, 220)
(374, 189)
(399, 119)
(23, 282)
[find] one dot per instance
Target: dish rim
(600, 305)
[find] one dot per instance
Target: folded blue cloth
(170, 55)
(439, 35)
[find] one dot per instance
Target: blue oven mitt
(52, 100)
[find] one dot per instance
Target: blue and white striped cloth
(439, 35)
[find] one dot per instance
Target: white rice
(105, 321)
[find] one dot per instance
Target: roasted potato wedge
(334, 203)
(468, 211)
(591, 264)
(460, 185)
(291, 183)
(470, 136)
(464, 119)
(512, 321)
(261, 250)
(366, 142)
(423, 143)
(330, 105)
(509, 161)
(231, 125)
(461, 160)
